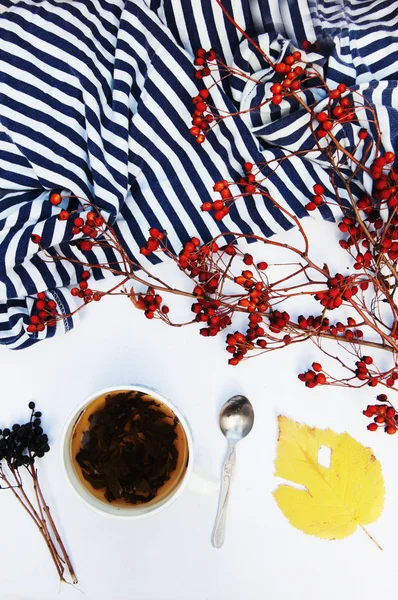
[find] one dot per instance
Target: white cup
(198, 482)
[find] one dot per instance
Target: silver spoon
(236, 422)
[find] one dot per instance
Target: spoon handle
(228, 471)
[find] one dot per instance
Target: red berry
(328, 125)
(63, 215)
(280, 67)
(321, 117)
(85, 246)
(218, 205)
(247, 166)
(276, 88)
(262, 265)
(391, 430)
(206, 206)
(51, 304)
(363, 134)
(389, 157)
(372, 427)
(310, 206)
(319, 189)
(55, 199)
(334, 94)
(78, 222)
(316, 366)
(342, 87)
(36, 239)
(276, 99)
(75, 291)
(194, 131)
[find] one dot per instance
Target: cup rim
(94, 503)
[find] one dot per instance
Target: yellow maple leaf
(350, 492)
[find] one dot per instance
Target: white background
(169, 556)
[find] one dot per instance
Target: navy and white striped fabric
(95, 100)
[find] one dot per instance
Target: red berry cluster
(362, 373)
(278, 320)
(311, 322)
(310, 46)
(239, 344)
(84, 292)
(153, 242)
(313, 377)
(385, 179)
(317, 198)
(248, 183)
(339, 290)
(384, 415)
(355, 232)
(345, 330)
(44, 315)
(88, 224)
(206, 312)
(341, 113)
(151, 303)
(257, 300)
(219, 206)
(322, 324)
(291, 77)
(202, 58)
(193, 258)
(200, 120)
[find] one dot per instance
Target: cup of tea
(128, 452)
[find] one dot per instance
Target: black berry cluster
(21, 444)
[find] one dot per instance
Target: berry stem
(46, 508)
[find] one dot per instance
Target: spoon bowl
(236, 418)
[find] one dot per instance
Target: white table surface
(169, 556)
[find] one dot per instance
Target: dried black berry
(31, 405)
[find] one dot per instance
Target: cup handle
(202, 482)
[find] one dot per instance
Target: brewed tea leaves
(129, 448)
